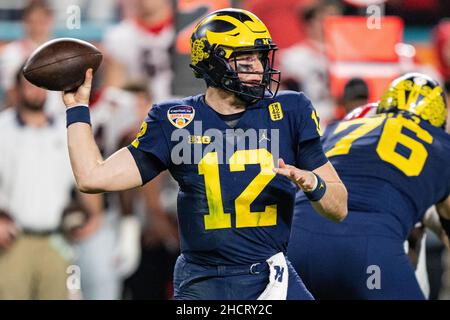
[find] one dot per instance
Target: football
(61, 64)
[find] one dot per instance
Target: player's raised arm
(322, 186)
(92, 173)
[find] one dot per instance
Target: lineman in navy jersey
(234, 206)
(395, 165)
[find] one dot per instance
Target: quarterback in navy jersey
(395, 165)
(239, 152)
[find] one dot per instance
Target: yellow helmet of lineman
(219, 37)
(418, 94)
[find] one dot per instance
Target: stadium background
(414, 36)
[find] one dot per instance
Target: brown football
(60, 64)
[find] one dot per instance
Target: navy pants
(197, 282)
(338, 266)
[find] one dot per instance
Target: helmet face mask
(416, 94)
(234, 79)
(216, 45)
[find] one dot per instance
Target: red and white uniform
(365, 111)
(144, 51)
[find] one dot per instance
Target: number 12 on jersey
(217, 218)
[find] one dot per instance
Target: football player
(415, 246)
(222, 147)
(395, 166)
(138, 48)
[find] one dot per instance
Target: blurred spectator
(35, 187)
(155, 205)
(305, 64)
(112, 252)
(442, 47)
(154, 276)
(356, 93)
(118, 243)
(37, 23)
(139, 48)
(281, 19)
(159, 242)
(96, 257)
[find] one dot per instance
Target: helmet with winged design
(221, 36)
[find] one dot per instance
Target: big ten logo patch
(199, 139)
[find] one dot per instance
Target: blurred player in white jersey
(139, 48)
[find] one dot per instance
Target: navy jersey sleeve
(309, 122)
(150, 149)
(310, 154)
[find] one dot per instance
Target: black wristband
(319, 191)
(78, 114)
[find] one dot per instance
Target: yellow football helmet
(418, 94)
(219, 38)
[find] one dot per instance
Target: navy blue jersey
(232, 207)
(394, 167)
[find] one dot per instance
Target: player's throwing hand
(81, 96)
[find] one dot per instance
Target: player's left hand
(306, 180)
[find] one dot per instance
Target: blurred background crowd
(340, 54)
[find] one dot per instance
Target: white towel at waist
(278, 282)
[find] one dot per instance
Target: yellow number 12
(217, 218)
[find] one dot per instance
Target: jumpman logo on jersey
(263, 137)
